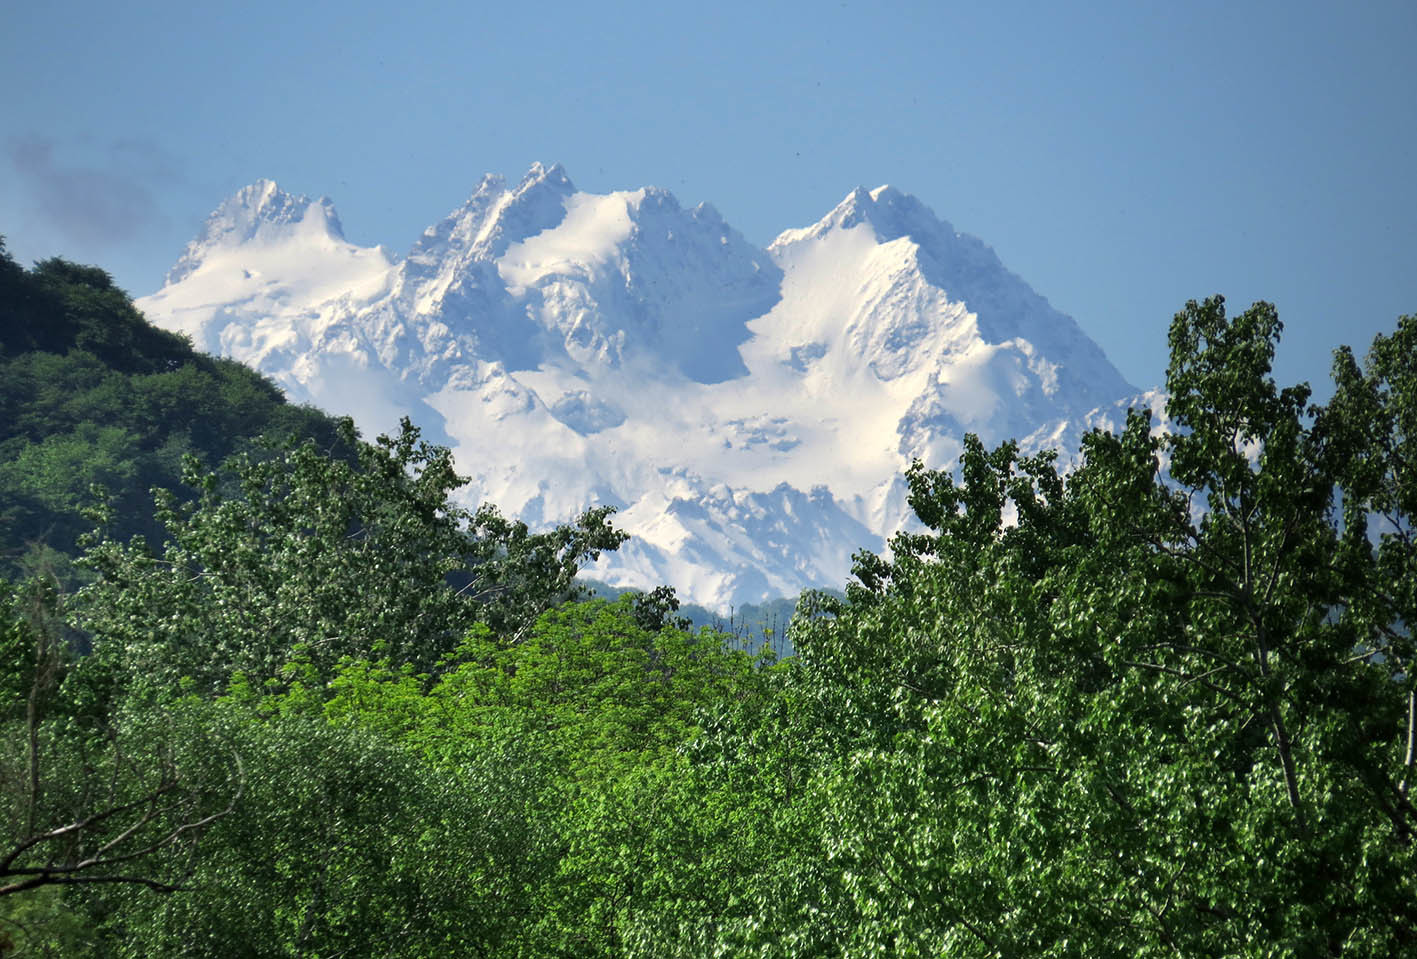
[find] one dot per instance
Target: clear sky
(1122, 157)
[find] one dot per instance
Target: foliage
(42, 925)
(1150, 715)
(89, 800)
(602, 703)
(343, 844)
(304, 554)
(1162, 704)
(509, 807)
(91, 394)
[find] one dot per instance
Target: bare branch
(74, 827)
(93, 868)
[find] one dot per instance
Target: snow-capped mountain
(751, 412)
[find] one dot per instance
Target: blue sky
(1122, 157)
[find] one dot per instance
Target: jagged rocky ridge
(750, 411)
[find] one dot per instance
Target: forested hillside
(1126, 711)
(91, 394)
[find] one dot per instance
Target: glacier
(749, 411)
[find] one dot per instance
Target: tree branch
(80, 871)
(1411, 742)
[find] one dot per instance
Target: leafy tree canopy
(304, 555)
(1163, 704)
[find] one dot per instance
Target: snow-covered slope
(750, 411)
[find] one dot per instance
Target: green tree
(89, 801)
(605, 705)
(90, 393)
(527, 801)
(1126, 711)
(343, 843)
(304, 554)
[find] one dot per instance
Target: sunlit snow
(750, 411)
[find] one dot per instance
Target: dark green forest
(269, 691)
(92, 394)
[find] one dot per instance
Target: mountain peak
(889, 212)
(494, 217)
(553, 175)
(577, 348)
(261, 212)
(264, 202)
